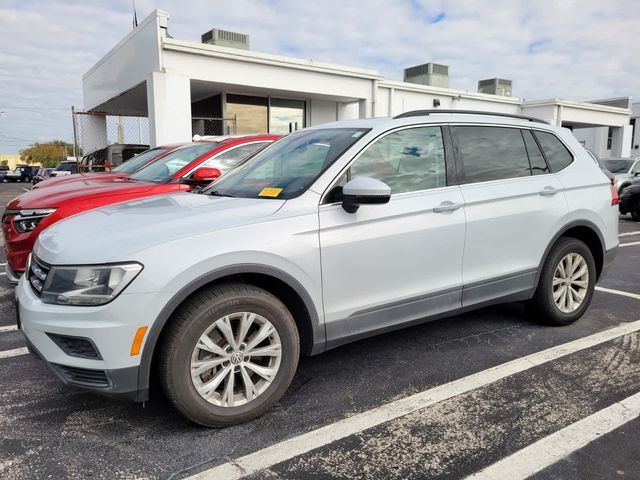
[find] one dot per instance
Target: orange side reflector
(137, 341)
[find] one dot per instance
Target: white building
(182, 85)
(603, 140)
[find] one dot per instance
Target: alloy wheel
(570, 282)
(236, 359)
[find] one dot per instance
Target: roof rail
(423, 113)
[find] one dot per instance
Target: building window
(609, 138)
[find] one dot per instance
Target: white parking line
(8, 328)
(628, 234)
(618, 292)
(3, 264)
(14, 353)
(2, 273)
(314, 439)
(629, 244)
(558, 445)
(26, 189)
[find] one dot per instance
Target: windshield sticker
(270, 192)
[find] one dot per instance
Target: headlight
(27, 220)
(87, 285)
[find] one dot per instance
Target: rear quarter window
(558, 157)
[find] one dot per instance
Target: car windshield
(139, 160)
(165, 167)
(286, 168)
(618, 166)
(66, 167)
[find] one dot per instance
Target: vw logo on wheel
(237, 358)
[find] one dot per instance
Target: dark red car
(181, 169)
(121, 171)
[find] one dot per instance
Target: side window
(636, 168)
(491, 153)
(538, 164)
(407, 160)
(230, 158)
(557, 154)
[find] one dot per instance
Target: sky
(569, 49)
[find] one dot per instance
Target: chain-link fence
(213, 126)
(94, 131)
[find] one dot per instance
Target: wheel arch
(282, 285)
(585, 231)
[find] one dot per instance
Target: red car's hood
(78, 177)
(56, 195)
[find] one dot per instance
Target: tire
(635, 210)
(205, 313)
(545, 306)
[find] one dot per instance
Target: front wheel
(635, 210)
(228, 355)
(566, 283)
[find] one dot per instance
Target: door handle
(548, 191)
(447, 207)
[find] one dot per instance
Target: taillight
(615, 199)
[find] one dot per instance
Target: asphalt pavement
(486, 393)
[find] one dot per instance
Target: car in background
(121, 171)
(183, 169)
(3, 171)
(105, 159)
(624, 169)
(630, 200)
(22, 173)
(42, 174)
(68, 167)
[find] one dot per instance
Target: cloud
(575, 49)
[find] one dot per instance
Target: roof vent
(223, 38)
(495, 86)
(431, 74)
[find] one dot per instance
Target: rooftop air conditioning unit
(431, 74)
(495, 86)
(223, 38)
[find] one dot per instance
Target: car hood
(55, 195)
(79, 177)
(136, 225)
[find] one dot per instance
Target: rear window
(491, 153)
(618, 166)
(67, 167)
(557, 154)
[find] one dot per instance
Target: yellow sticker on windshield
(270, 192)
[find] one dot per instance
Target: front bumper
(110, 370)
(12, 276)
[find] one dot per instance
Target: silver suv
(331, 234)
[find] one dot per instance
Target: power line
(39, 107)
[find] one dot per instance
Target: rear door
(388, 264)
(514, 207)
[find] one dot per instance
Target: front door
(389, 264)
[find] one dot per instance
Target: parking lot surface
(491, 393)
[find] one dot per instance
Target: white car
(331, 234)
(625, 170)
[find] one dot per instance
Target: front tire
(228, 354)
(635, 210)
(566, 283)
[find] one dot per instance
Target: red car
(121, 171)
(181, 169)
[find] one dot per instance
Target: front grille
(76, 346)
(37, 274)
(84, 376)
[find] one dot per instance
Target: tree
(47, 154)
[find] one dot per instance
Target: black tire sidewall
(181, 390)
(544, 294)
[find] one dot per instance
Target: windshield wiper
(218, 193)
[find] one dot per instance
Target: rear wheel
(228, 355)
(635, 210)
(566, 283)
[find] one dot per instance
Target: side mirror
(364, 191)
(637, 174)
(206, 175)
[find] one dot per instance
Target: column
(621, 141)
(169, 105)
